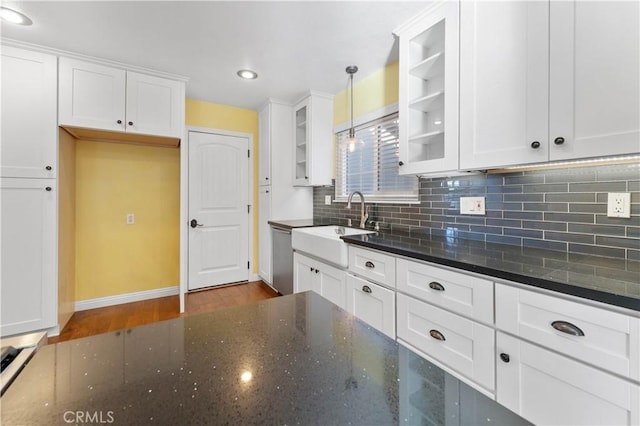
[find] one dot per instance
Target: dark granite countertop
(295, 359)
(611, 281)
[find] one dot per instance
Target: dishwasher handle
(281, 229)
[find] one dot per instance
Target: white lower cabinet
(29, 294)
(372, 303)
(326, 280)
(547, 388)
(464, 346)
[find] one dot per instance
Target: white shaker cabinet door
(155, 106)
(331, 284)
(373, 304)
(91, 96)
(504, 83)
(303, 273)
(547, 388)
(264, 234)
(29, 255)
(594, 79)
(29, 111)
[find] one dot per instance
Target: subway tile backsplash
(560, 209)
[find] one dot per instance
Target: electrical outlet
(619, 204)
(131, 219)
(327, 200)
(472, 205)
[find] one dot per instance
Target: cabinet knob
(48, 168)
(119, 121)
(366, 289)
(568, 328)
(559, 140)
(267, 178)
(311, 269)
(306, 177)
(434, 285)
(317, 271)
(437, 335)
(131, 123)
(400, 163)
(505, 357)
(535, 144)
(48, 188)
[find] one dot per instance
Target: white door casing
(218, 247)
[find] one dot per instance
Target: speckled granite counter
(295, 359)
(612, 281)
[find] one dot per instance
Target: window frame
(363, 123)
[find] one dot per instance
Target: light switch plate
(327, 200)
(619, 204)
(131, 219)
(472, 205)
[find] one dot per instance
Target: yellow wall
(223, 117)
(113, 180)
(371, 93)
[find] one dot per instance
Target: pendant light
(351, 70)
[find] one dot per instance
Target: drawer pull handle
(366, 289)
(567, 327)
(437, 335)
(369, 265)
(505, 357)
(436, 286)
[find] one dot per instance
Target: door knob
(194, 223)
(131, 123)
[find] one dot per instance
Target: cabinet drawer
(373, 304)
(609, 340)
(373, 265)
(464, 345)
(548, 388)
(460, 293)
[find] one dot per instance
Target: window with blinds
(370, 164)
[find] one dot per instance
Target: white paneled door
(218, 209)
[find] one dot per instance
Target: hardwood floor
(102, 320)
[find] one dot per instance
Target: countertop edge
(585, 293)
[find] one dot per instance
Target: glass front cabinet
(428, 97)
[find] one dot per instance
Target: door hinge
(248, 153)
(248, 208)
(248, 265)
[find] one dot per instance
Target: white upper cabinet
(313, 140)
(99, 97)
(504, 80)
(92, 96)
(155, 106)
(29, 125)
(544, 81)
(428, 91)
(594, 79)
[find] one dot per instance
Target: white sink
(324, 242)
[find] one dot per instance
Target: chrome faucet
(363, 215)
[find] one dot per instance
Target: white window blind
(370, 165)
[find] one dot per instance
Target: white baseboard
(101, 302)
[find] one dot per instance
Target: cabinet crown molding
(92, 59)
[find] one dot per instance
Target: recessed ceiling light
(247, 74)
(15, 17)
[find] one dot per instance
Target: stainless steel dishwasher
(282, 255)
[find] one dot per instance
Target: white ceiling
(293, 46)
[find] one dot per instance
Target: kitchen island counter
(289, 360)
